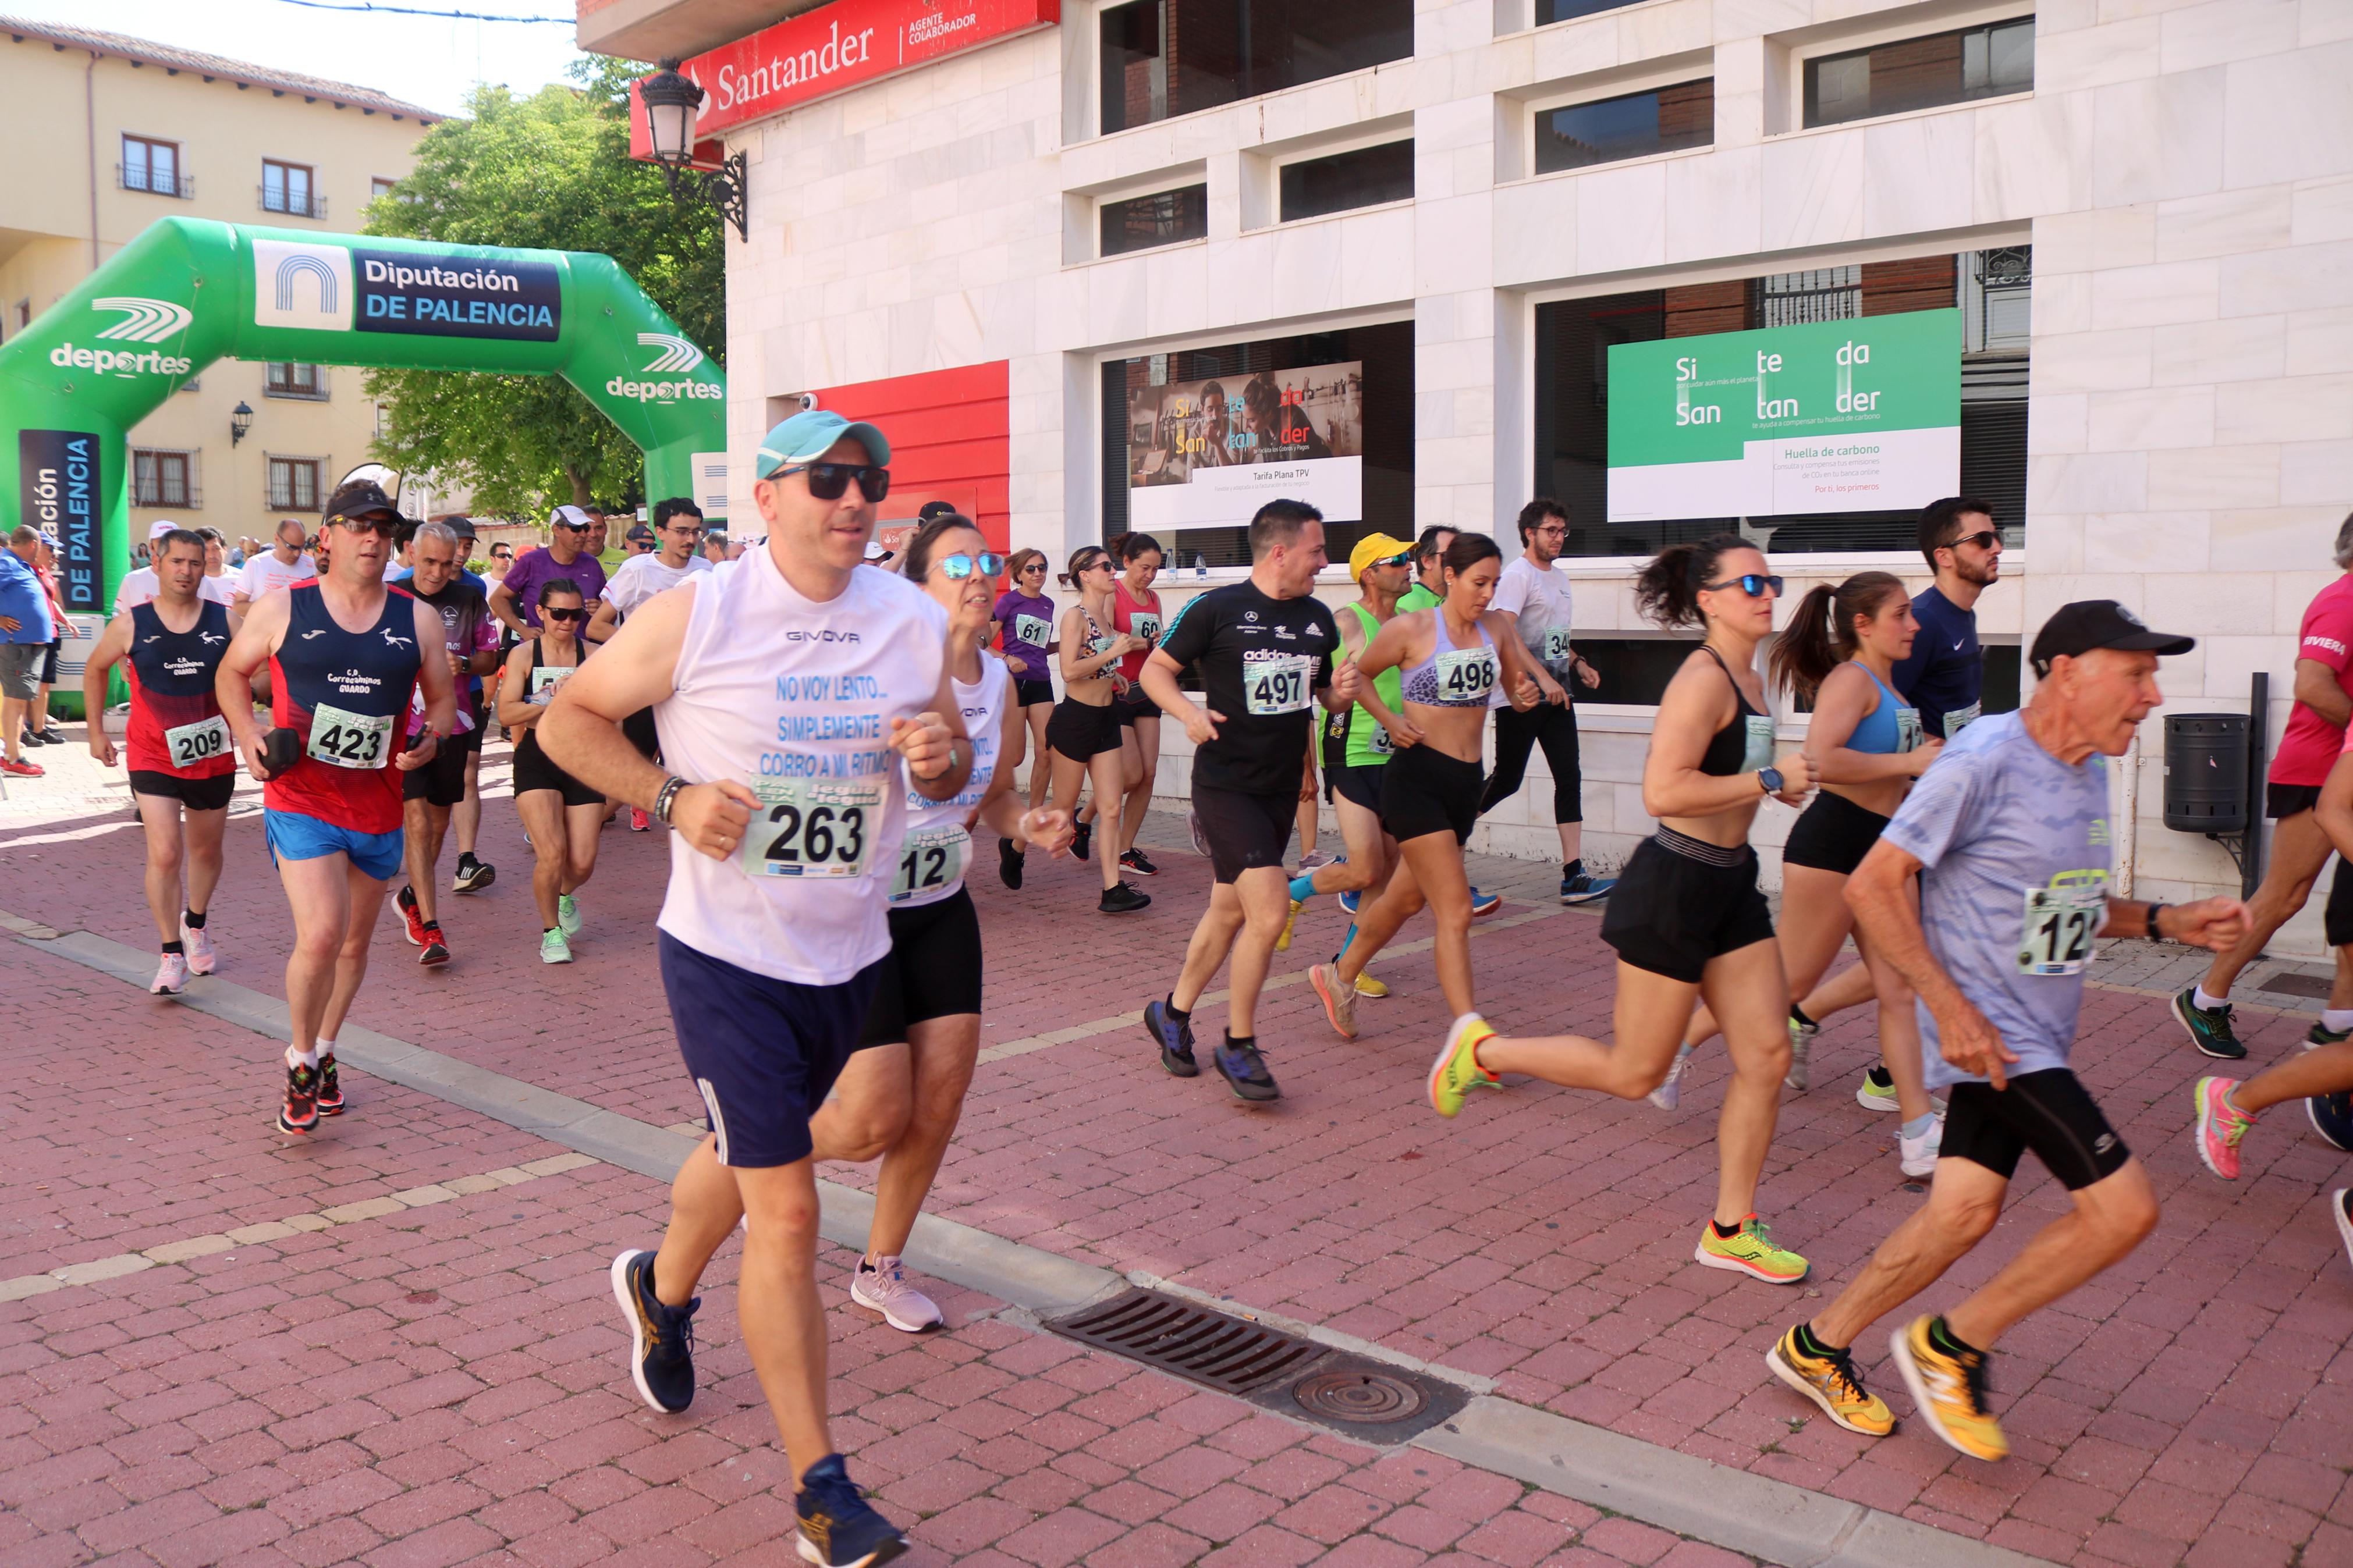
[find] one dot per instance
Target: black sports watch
(1770, 779)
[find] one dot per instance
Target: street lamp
(672, 100)
(240, 420)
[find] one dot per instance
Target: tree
(550, 172)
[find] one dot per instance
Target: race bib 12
(2058, 922)
(931, 862)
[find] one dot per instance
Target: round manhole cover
(1366, 1396)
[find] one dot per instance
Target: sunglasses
(1037, 566)
(1753, 584)
(961, 566)
(547, 614)
(1103, 561)
(1984, 539)
(365, 525)
(827, 481)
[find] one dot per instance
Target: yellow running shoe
(1368, 987)
(1457, 1070)
(1831, 1381)
(1750, 1250)
(1950, 1391)
(1282, 942)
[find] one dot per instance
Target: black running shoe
(1175, 1040)
(473, 876)
(300, 1112)
(1121, 899)
(331, 1087)
(1135, 860)
(661, 1339)
(838, 1528)
(1009, 863)
(2209, 1027)
(1244, 1071)
(2332, 1118)
(1081, 832)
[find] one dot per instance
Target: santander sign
(844, 45)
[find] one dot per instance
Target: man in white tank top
(786, 695)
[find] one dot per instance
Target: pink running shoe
(2220, 1125)
(199, 942)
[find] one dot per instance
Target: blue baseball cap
(809, 435)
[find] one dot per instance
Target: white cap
(159, 527)
(569, 517)
(874, 551)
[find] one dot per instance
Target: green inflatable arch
(188, 292)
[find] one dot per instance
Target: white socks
(2336, 1020)
(2202, 1000)
(295, 1059)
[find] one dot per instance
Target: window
(1922, 73)
(1364, 178)
(1997, 299)
(1823, 294)
(378, 188)
(160, 479)
(1634, 126)
(1167, 57)
(151, 165)
(294, 484)
(290, 188)
(1548, 10)
(1169, 217)
(296, 381)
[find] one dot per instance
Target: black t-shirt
(1262, 661)
(466, 615)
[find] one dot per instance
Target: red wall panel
(951, 435)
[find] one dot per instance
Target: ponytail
(1822, 633)
(1667, 590)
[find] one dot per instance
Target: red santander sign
(844, 45)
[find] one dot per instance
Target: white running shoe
(880, 1285)
(1917, 1156)
(1801, 1047)
(1669, 1094)
(199, 943)
(554, 949)
(171, 975)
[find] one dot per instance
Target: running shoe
(1244, 1070)
(2320, 1033)
(661, 1339)
(1282, 942)
(1081, 833)
(1951, 1392)
(436, 949)
(25, 737)
(1830, 1381)
(1339, 1001)
(1120, 898)
(1175, 1040)
(1750, 1250)
(300, 1112)
(1801, 1050)
(1916, 1157)
(1200, 839)
(22, 770)
(1368, 987)
(880, 1285)
(1009, 864)
(1314, 860)
(640, 821)
(1581, 888)
(553, 948)
(1877, 1090)
(472, 875)
(567, 914)
(414, 918)
(198, 944)
(331, 1086)
(1485, 904)
(171, 975)
(2332, 1118)
(1136, 860)
(2209, 1027)
(1669, 1092)
(2340, 1209)
(839, 1529)
(51, 735)
(1457, 1072)
(2220, 1126)
(1349, 900)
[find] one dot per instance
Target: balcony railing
(292, 203)
(155, 182)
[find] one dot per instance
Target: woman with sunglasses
(1135, 612)
(1024, 618)
(562, 816)
(1686, 917)
(900, 1096)
(1082, 737)
(1455, 657)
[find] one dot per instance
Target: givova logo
(143, 321)
(678, 356)
(297, 285)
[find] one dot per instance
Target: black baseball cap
(359, 498)
(641, 534)
(2076, 629)
(931, 508)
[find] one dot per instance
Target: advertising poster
(1207, 454)
(64, 494)
(1830, 417)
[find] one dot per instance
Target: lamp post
(672, 100)
(240, 420)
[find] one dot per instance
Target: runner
(39, 727)
(1082, 737)
(138, 586)
(2316, 733)
(1024, 617)
(1264, 649)
(1533, 600)
(678, 529)
(1866, 749)
(1456, 656)
(2009, 836)
(25, 635)
(1687, 918)
(1136, 614)
(178, 746)
(1428, 588)
(561, 816)
(774, 934)
(515, 599)
(474, 873)
(900, 1096)
(345, 655)
(433, 794)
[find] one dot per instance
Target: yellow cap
(1373, 549)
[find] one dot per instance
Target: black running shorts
(1079, 730)
(1834, 833)
(1424, 791)
(1028, 693)
(442, 781)
(1679, 903)
(932, 970)
(1361, 785)
(639, 727)
(533, 770)
(1244, 832)
(2049, 1112)
(196, 794)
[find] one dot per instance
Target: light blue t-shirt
(2016, 858)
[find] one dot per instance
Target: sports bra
(1890, 727)
(1452, 677)
(533, 685)
(1744, 745)
(1097, 640)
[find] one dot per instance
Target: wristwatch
(1770, 779)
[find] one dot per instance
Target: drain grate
(2288, 983)
(1273, 1370)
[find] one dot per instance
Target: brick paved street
(436, 1378)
